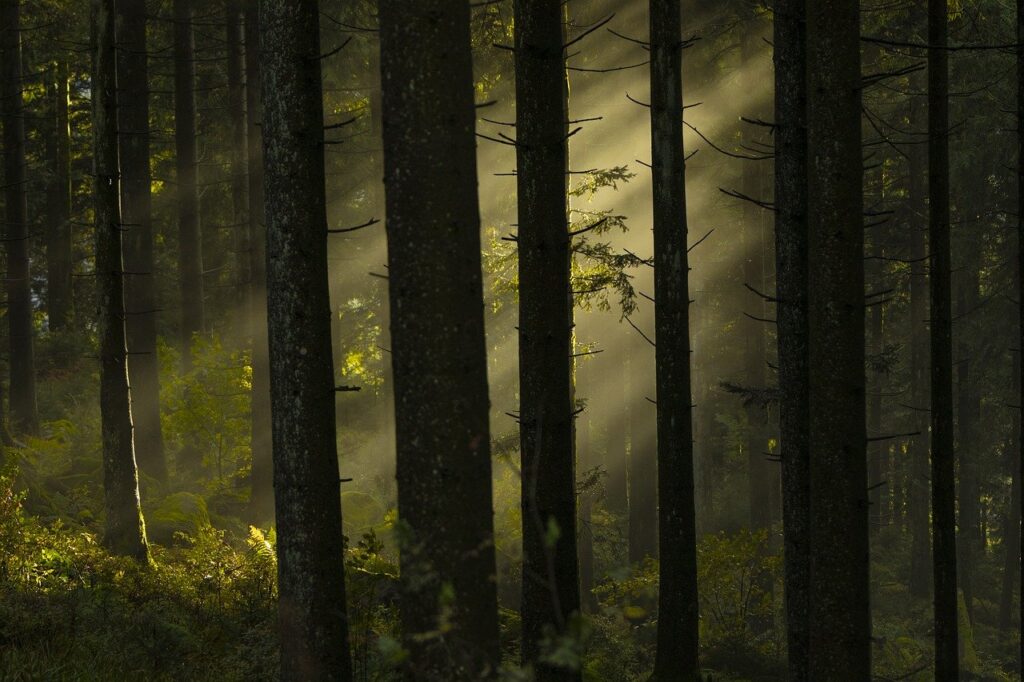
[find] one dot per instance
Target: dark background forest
(674, 340)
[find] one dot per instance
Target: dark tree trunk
(311, 581)
(59, 263)
(678, 618)
(125, 531)
(190, 241)
(585, 540)
(643, 474)
(140, 283)
(24, 417)
(752, 331)
(971, 541)
(840, 622)
(875, 337)
(940, 324)
(262, 496)
(919, 579)
(1020, 299)
(241, 227)
(550, 571)
(1011, 518)
(438, 350)
(616, 442)
(791, 290)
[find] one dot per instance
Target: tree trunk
(438, 350)
(791, 291)
(312, 614)
(239, 151)
(59, 263)
(190, 241)
(752, 331)
(919, 579)
(125, 532)
(140, 283)
(262, 495)
(971, 541)
(678, 618)
(643, 474)
(940, 324)
(840, 618)
(24, 417)
(1020, 299)
(550, 571)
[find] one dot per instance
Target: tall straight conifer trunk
(551, 593)
(678, 619)
(59, 263)
(262, 495)
(840, 618)
(791, 291)
(140, 282)
(234, 46)
(438, 348)
(190, 241)
(944, 569)
(1020, 299)
(24, 417)
(125, 531)
(311, 581)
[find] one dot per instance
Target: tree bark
(140, 284)
(919, 579)
(125, 531)
(59, 263)
(311, 582)
(190, 242)
(791, 269)
(24, 416)
(1020, 299)
(944, 569)
(840, 620)
(438, 349)
(241, 227)
(678, 619)
(262, 495)
(551, 593)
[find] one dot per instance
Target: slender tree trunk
(840, 618)
(550, 570)
(1011, 518)
(643, 474)
(311, 581)
(876, 450)
(585, 541)
(438, 350)
(239, 151)
(262, 496)
(752, 331)
(791, 291)
(1020, 299)
(678, 618)
(971, 541)
(190, 241)
(125, 530)
(919, 579)
(940, 323)
(24, 417)
(59, 263)
(140, 283)
(616, 442)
